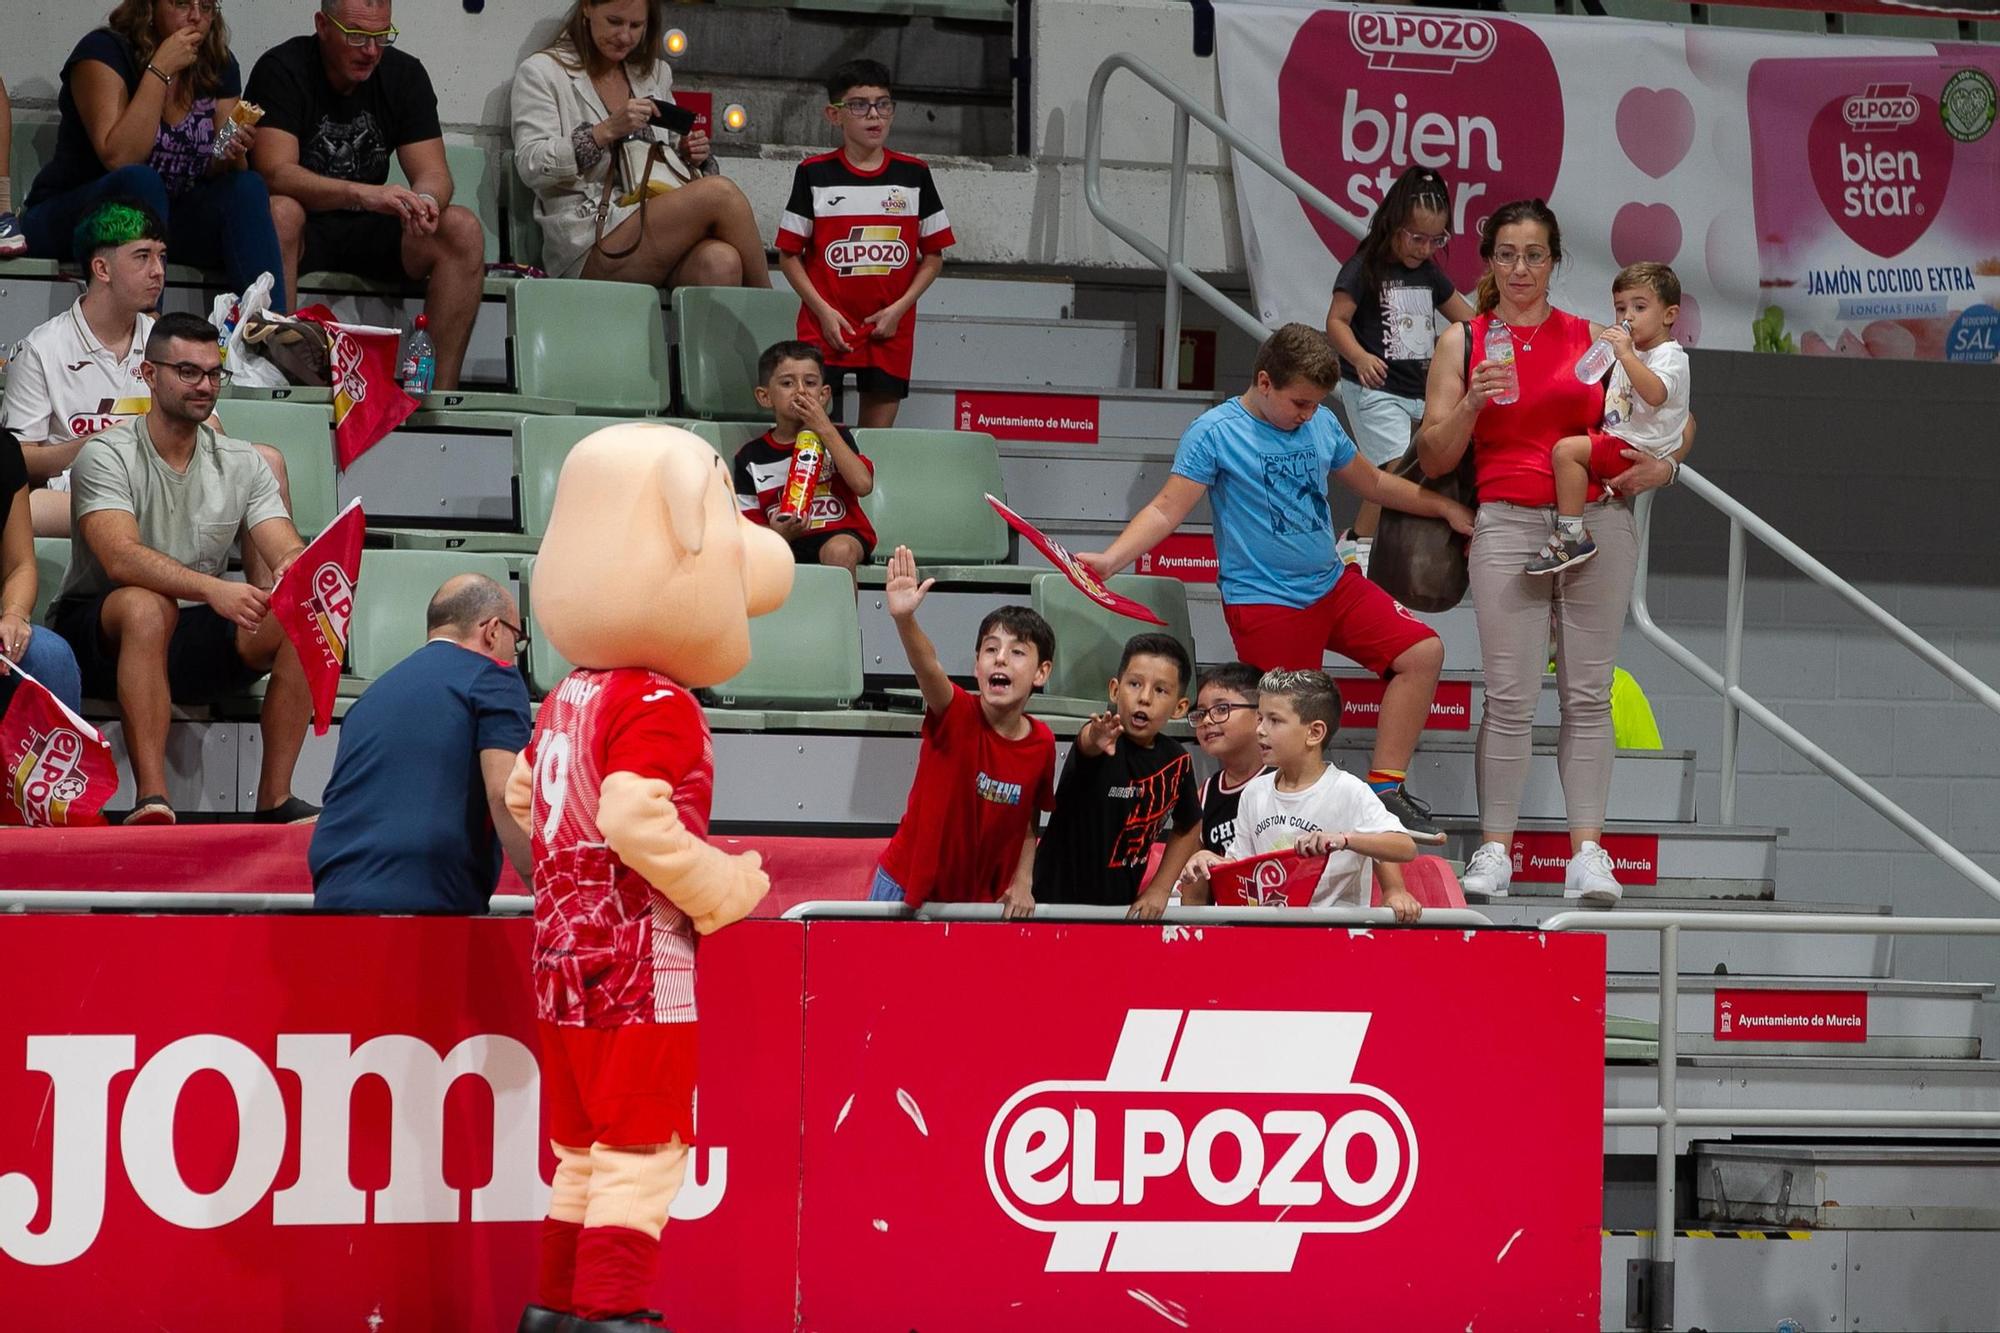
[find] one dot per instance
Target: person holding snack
(152, 114)
(602, 89)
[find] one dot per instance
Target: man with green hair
(79, 373)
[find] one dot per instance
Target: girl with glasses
(1510, 444)
(143, 100)
(1383, 319)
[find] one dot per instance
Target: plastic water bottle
(1500, 350)
(419, 370)
(1590, 367)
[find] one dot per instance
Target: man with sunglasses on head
(156, 503)
(336, 105)
(416, 814)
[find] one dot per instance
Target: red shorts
(1607, 455)
(1356, 619)
(624, 1087)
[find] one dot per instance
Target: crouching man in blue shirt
(415, 817)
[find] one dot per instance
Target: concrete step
(972, 294)
(1672, 859)
(1026, 352)
(1891, 1187)
(1901, 1019)
(1125, 417)
(1733, 954)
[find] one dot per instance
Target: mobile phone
(667, 116)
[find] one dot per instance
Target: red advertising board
(1037, 418)
(332, 1123)
(1361, 703)
(1189, 557)
(703, 106)
(1541, 857)
(1216, 1129)
(1791, 1015)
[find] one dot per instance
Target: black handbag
(1421, 561)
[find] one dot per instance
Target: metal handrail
(1667, 1118)
(1171, 259)
(90, 900)
(1454, 918)
(1737, 701)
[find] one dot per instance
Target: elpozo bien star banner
(1815, 195)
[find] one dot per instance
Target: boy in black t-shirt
(791, 381)
(1225, 726)
(1121, 782)
(336, 105)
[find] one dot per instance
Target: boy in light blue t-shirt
(1263, 460)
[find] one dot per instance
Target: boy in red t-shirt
(985, 770)
(833, 531)
(862, 237)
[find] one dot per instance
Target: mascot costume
(646, 581)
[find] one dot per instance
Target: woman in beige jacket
(574, 103)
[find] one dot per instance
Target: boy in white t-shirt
(1645, 407)
(1311, 807)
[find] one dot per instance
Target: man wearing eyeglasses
(416, 814)
(157, 502)
(336, 105)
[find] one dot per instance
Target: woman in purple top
(143, 101)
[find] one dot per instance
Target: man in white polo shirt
(79, 373)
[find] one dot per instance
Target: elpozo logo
(331, 602)
(1879, 107)
(1216, 1141)
(1422, 43)
(47, 777)
(868, 251)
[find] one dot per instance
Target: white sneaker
(1489, 872)
(1589, 877)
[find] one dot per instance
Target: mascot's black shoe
(639, 1321)
(541, 1319)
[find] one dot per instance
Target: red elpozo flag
(1273, 879)
(59, 769)
(314, 601)
(367, 401)
(1082, 575)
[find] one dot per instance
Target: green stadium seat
(51, 564)
(524, 234)
(1090, 639)
(389, 604)
(930, 495)
(725, 437)
(807, 653)
(723, 330)
(600, 345)
(303, 433)
(476, 183)
(546, 666)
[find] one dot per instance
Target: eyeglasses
(860, 108)
(191, 374)
(1534, 259)
(1437, 242)
(520, 634)
(356, 37)
(1217, 713)
(208, 7)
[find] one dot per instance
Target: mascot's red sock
(615, 1269)
(558, 1276)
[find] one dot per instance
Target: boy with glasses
(157, 502)
(862, 237)
(336, 105)
(416, 811)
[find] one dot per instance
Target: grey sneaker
(1489, 872)
(13, 243)
(1561, 554)
(1413, 815)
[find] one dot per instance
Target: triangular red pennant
(1083, 576)
(314, 601)
(59, 769)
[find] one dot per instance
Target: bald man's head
(465, 603)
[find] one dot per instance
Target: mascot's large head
(647, 562)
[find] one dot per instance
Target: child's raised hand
(902, 592)
(1100, 734)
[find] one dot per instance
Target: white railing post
(1660, 1311)
(1170, 323)
(1732, 670)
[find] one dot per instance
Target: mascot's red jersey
(609, 948)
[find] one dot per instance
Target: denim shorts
(1382, 422)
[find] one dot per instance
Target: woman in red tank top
(1510, 442)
